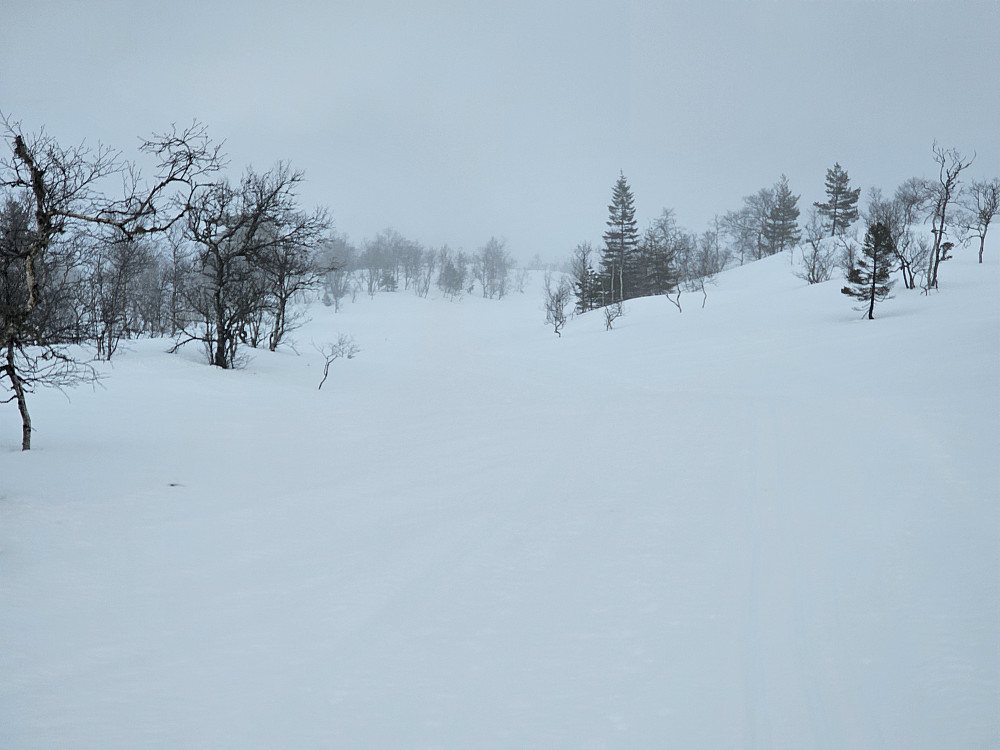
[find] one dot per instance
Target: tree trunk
(278, 330)
(871, 304)
(932, 263)
(982, 245)
(22, 402)
(221, 346)
(222, 333)
(909, 280)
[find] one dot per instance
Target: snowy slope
(762, 524)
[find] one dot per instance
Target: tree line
(390, 262)
(665, 259)
(92, 253)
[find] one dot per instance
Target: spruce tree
(620, 243)
(841, 207)
(656, 256)
(868, 281)
(781, 227)
(586, 285)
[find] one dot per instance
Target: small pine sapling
(868, 280)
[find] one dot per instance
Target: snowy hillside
(762, 524)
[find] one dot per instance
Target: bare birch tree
(234, 229)
(65, 188)
(557, 298)
(951, 164)
(981, 203)
(819, 254)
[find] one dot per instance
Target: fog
(454, 121)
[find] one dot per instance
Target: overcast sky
(456, 121)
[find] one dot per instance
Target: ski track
(478, 535)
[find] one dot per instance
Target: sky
(454, 122)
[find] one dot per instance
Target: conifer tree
(586, 284)
(841, 207)
(868, 281)
(781, 227)
(656, 260)
(620, 243)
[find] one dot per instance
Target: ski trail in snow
(803, 635)
(795, 588)
(783, 681)
(468, 544)
(758, 724)
(836, 720)
(757, 718)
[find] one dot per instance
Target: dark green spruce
(868, 281)
(621, 241)
(841, 207)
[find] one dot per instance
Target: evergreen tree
(643, 272)
(453, 272)
(868, 281)
(781, 228)
(841, 207)
(620, 244)
(586, 284)
(656, 257)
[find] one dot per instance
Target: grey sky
(455, 121)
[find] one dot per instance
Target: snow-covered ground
(762, 524)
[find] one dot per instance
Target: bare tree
(378, 263)
(38, 354)
(981, 203)
(819, 255)
(117, 266)
(712, 256)
(521, 279)
(292, 267)
(557, 298)
(233, 229)
(675, 298)
(698, 264)
(149, 308)
(704, 262)
(747, 227)
(422, 283)
(901, 215)
(339, 258)
(611, 313)
(411, 260)
(491, 266)
(64, 187)
(950, 166)
(343, 348)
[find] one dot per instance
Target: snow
(766, 523)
